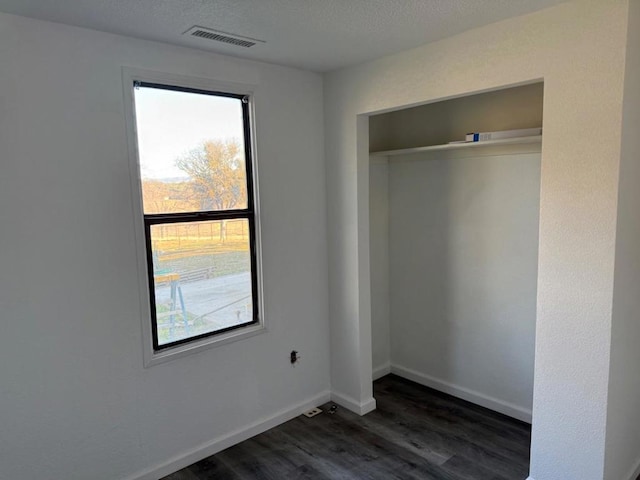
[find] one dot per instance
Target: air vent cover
(224, 37)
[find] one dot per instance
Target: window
(196, 184)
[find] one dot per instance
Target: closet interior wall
(454, 249)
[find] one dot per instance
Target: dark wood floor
(415, 433)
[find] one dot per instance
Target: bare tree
(217, 172)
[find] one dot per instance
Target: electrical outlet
(294, 357)
(313, 412)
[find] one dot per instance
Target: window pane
(191, 151)
(202, 276)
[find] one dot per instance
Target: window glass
(202, 283)
(191, 151)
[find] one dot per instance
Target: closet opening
(453, 242)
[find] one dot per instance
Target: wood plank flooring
(415, 433)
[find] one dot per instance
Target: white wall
(75, 400)
(578, 48)
(463, 258)
(622, 459)
(379, 253)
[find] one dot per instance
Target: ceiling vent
(224, 37)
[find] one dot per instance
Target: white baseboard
(381, 371)
(361, 408)
(217, 445)
(464, 393)
(635, 471)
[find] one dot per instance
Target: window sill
(160, 356)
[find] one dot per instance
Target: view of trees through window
(192, 161)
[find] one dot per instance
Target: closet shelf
(457, 146)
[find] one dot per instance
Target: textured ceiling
(319, 35)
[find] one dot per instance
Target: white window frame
(151, 356)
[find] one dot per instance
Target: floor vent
(224, 37)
